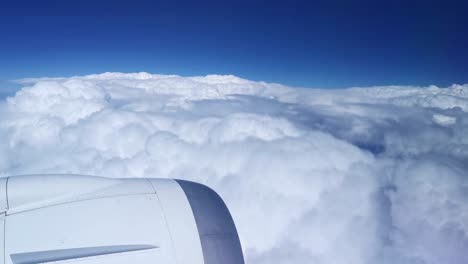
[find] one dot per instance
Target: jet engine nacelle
(90, 220)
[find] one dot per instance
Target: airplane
(96, 220)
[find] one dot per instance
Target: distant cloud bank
(355, 176)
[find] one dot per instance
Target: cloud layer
(355, 176)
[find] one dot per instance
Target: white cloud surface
(355, 176)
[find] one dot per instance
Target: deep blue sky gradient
(300, 43)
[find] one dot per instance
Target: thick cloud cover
(355, 176)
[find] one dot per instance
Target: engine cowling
(90, 220)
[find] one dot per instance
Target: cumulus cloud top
(360, 175)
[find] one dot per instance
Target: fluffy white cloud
(355, 176)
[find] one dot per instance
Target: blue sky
(326, 44)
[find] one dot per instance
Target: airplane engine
(94, 220)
